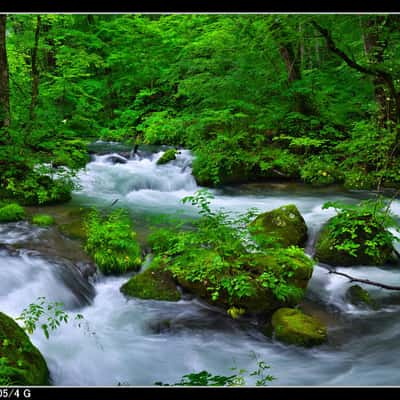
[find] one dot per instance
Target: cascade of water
(139, 342)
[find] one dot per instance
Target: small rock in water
(361, 297)
(116, 159)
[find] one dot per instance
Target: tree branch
(366, 281)
(353, 64)
(332, 47)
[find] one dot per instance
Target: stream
(139, 342)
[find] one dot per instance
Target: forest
(228, 182)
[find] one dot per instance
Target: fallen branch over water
(366, 281)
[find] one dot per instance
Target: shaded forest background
(255, 97)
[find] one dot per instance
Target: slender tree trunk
(4, 78)
(374, 48)
(292, 60)
(35, 71)
(292, 53)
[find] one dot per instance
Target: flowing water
(139, 342)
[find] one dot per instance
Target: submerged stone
(74, 230)
(116, 159)
(22, 364)
(361, 297)
(285, 225)
(292, 326)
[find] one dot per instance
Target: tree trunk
(35, 71)
(292, 51)
(374, 48)
(292, 59)
(4, 79)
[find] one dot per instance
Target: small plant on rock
(111, 242)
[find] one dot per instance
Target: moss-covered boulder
(360, 297)
(154, 283)
(284, 224)
(292, 326)
(255, 279)
(22, 363)
(168, 156)
(327, 251)
(42, 220)
(12, 212)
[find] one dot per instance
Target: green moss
(326, 252)
(285, 224)
(11, 212)
(168, 156)
(361, 297)
(22, 363)
(293, 327)
(43, 220)
(154, 283)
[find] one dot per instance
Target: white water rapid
(139, 342)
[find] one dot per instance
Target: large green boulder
(22, 363)
(292, 326)
(256, 281)
(154, 283)
(331, 248)
(284, 224)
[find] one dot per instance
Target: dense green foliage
(313, 97)
(218, 260)
(111, 242)
(358, 234)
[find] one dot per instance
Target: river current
(139, 342)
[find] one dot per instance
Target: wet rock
(154, 283)
(285, 225)
(293, 327)
(168, 156)
(23, 364)
(360, 297)
(116, 159)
